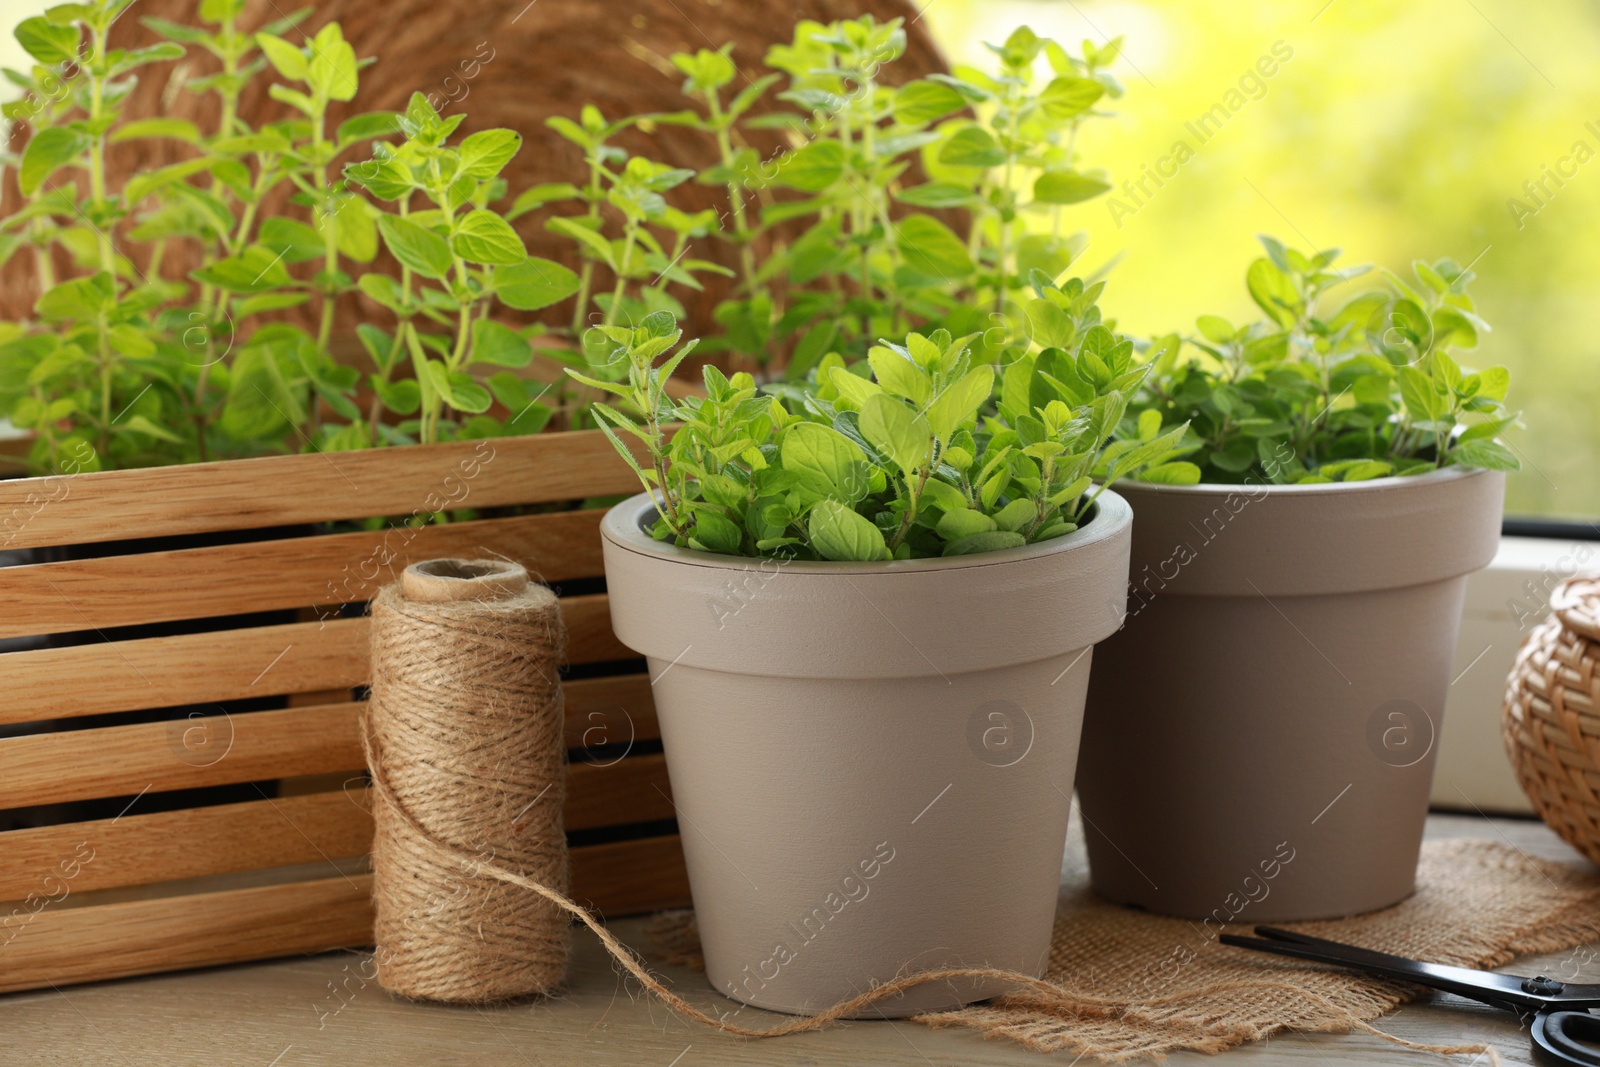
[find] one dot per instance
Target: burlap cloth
(1133, 984)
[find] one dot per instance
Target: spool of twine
(464, 745)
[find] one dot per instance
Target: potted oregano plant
(1301, 571)
(865, 574)
(868, 609)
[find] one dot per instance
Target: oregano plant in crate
(883, 209)
(143, 365)
(133, 364)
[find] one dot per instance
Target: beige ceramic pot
(871, 762)
(1260, 736)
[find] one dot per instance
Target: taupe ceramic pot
(1260, 736)
(871, 762)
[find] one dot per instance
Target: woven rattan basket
(1552, 715)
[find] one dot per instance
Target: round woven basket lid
(1577, 602)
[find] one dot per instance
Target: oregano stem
(741, 229)
(586, 275)
(107, 254)
(330, 243)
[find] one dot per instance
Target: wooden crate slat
(56, 767)
(66, 945)
(588, 621)
(179, 754)
(241, 494)
(111, 761)
(157, 672)
(629, 877)
(610, 711)
(295, 572)
(194, 842)
(162, 672)
(187, 843)
(589, 636)
(629, 791)
(63, 946)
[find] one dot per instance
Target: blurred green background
(1393, 131)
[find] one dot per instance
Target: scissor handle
(1556, 1034)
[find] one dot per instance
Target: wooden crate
(206, 882)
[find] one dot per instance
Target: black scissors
(1557, 1013)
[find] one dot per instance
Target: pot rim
(1389, 483)
(1312, 540)
(623, 526)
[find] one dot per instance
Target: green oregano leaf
(839, 533)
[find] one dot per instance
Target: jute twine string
(464, 733)
(446, 855)
(1123, 984)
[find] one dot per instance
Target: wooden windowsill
(286, 1013)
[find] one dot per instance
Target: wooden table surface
(285, 1014)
